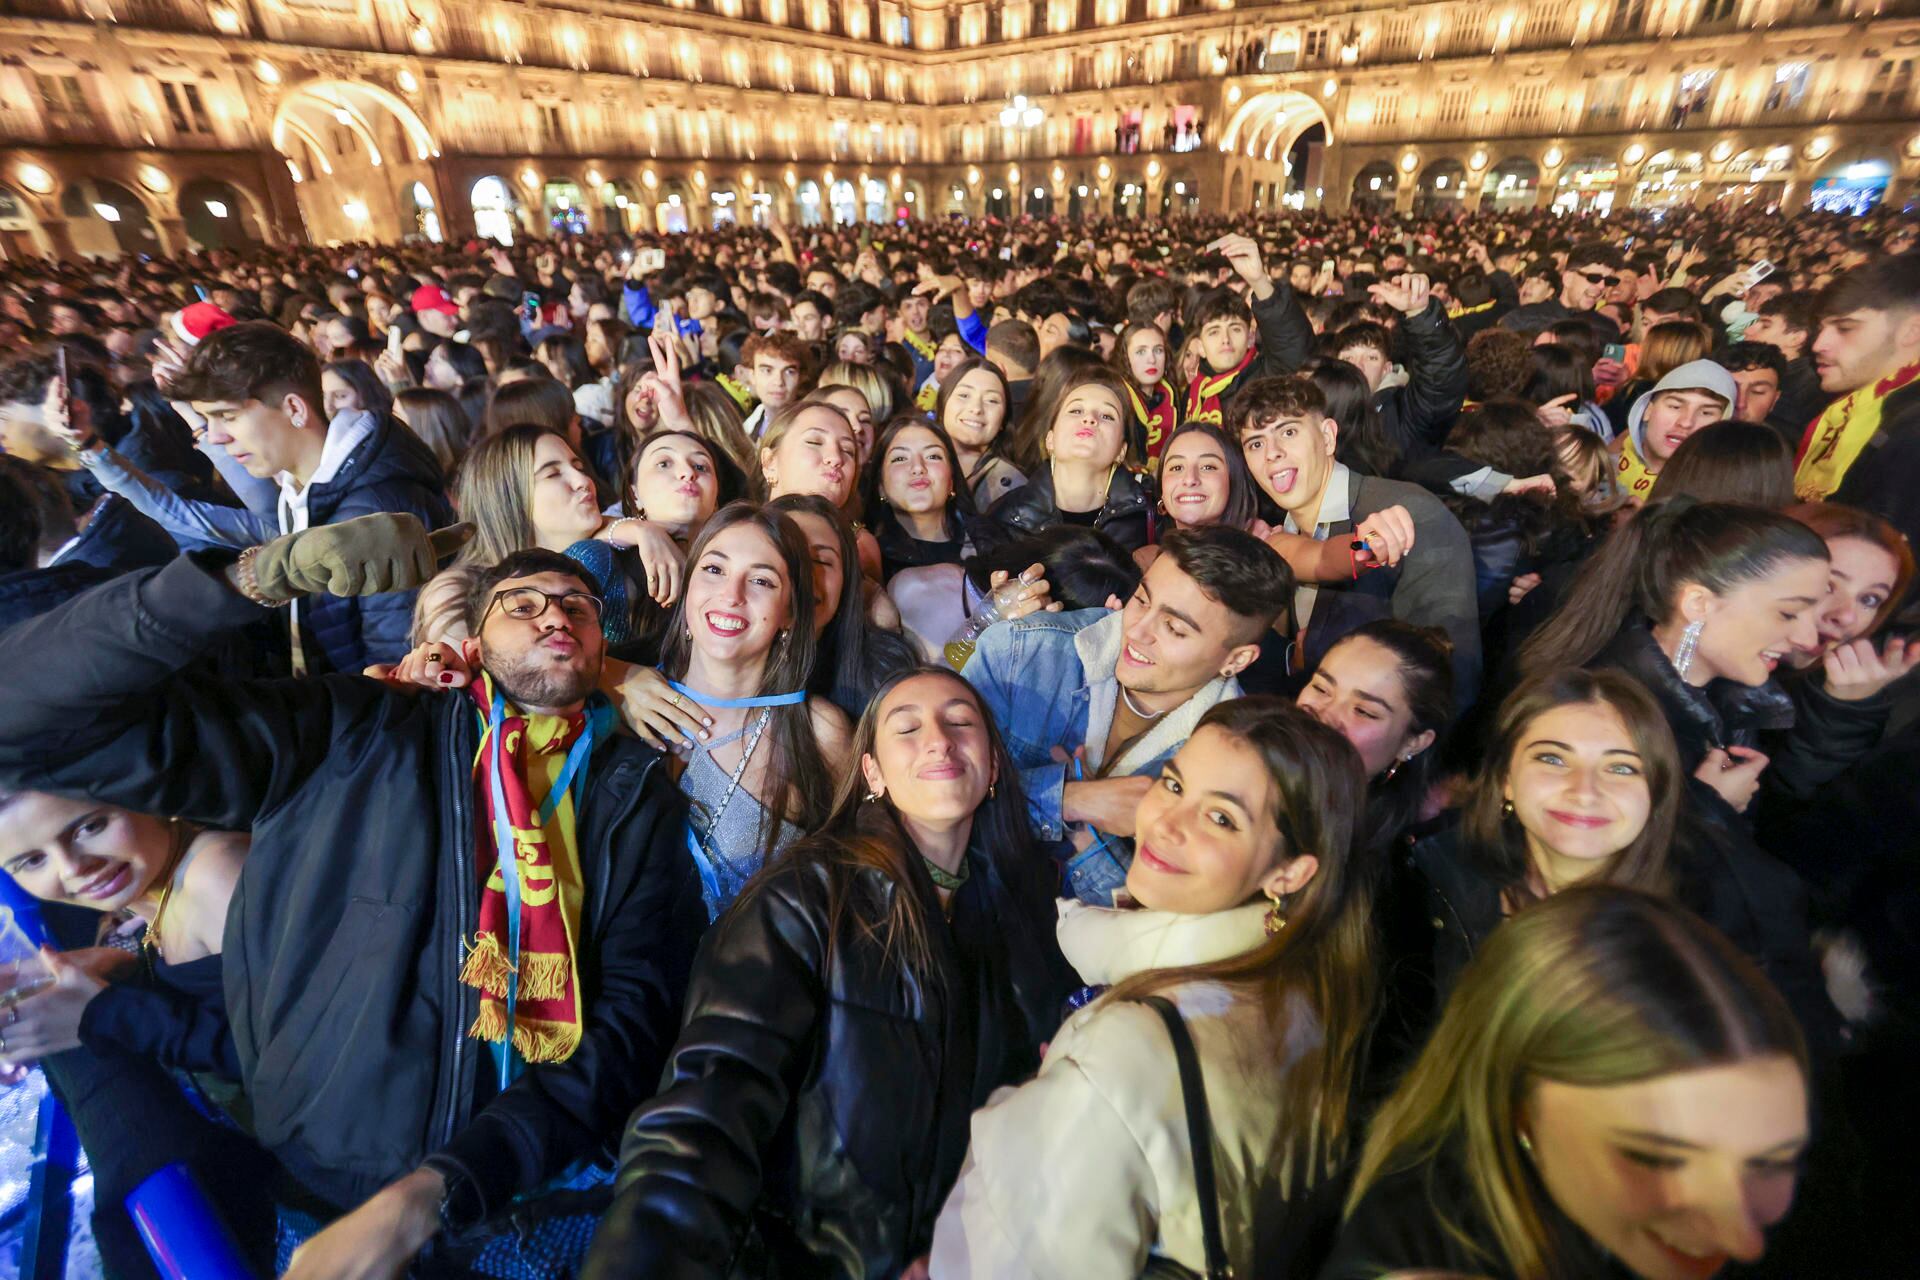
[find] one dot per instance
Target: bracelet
(249, 582)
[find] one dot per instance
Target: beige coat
(1086, 1171)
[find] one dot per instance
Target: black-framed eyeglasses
(529, 604)
(1592, 277)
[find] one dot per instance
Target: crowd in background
(1323, 746)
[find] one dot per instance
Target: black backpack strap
(1193, 1091)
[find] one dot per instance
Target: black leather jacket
(1032, 507)
(814, 1113)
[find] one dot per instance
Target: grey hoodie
(1694, 375)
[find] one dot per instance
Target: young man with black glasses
(426, 1043)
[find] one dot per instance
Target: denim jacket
(1049, 681)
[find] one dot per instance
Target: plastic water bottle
(993, 609)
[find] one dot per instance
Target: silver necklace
(1133, 707)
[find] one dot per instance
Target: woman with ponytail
(864, 995)
(1140, 357)
(1701, 602)
(1253, 923)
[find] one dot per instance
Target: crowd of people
(1292, 745)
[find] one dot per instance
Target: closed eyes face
(817, 455)
(931, 755)
(1358, 690)
(1678, 1174)
(1752, 628)
(562, 505)
(915, 476)
(1087, 427)
(829, 574)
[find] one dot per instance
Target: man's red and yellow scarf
(1207, 390)
(533, 765)
(1834, 439)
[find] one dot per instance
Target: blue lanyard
(764, 700)
(506, 859)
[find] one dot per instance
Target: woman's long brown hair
(1324, 955)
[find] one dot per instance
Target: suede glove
(386, 551)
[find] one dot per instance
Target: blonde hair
(440, 610)
(1594, 986)
(1670, 344)
(717, 419)
(496, 479)
(864, 378)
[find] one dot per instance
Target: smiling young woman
(1252, 918)
(1613, 1092)
(863, 996)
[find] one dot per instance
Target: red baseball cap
(431, 297)
(195, 322)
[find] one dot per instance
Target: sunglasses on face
(1594, 277)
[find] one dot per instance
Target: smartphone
(353, 273)
(200, 292)
(532, 301)
(393, 342)
(1614, 351)
(1758, 271)
(653, 259)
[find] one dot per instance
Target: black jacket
(1444, 901)
(1286, 340)
(1415, 418)
(1802, 399)
(391, 470)
(1031, 507)
(344, 940)
(1885, 478)
(815, 1113)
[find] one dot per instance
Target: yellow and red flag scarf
(742, 395)
(541, 758)
(1157, 418)
(927, 397)
(1631, 474)
(922, 345)
(1834, 439)
(1203, 396)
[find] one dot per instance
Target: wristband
(249, 582)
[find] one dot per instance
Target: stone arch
(21, 235)
(1266, 124)
(349, 103)
(220, 215)
(106, 219)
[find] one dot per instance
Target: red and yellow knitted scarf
(1834, 439)
(1203, 396)
(1158, 419)
(547, 1015)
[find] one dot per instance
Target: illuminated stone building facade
(150, 125)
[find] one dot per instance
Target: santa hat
(194, 323)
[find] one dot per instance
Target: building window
(1789, 86)
(1525, 107)
(1892, 83)
(1316, 44)
(550, 122)
(184, 107)
(1386, 110)
(1717, 10)
(1453, 105)
(1691, 98)
(842, 138)
(1398, 38)
(1606, 99)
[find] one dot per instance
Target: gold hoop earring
(1276, 917)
